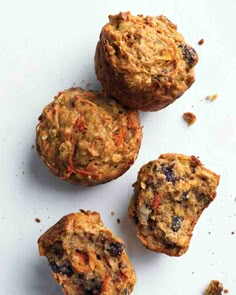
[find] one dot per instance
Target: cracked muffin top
(87, 138)
(143, 61)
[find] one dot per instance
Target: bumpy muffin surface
(143, 61)
(86, 257)
(169, 196)
(87, 138)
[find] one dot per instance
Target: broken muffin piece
(86, 257)
(169, 196)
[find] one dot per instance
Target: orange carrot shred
(157, 201)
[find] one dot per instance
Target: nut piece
(143, 61)
(87, 138)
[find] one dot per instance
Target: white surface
(47, 46)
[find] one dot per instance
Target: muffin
(143, 61)
(86, 257)
(169, 196)
(87, 138)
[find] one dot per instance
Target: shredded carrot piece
(83, 258)
(79, 124)
(157, 201)
(89, 94)
(120, 136)
(106, 282)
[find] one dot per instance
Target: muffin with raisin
(86, 257)
(87, 138)
(169, 196)
(143, 61)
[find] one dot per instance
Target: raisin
(64, 269)
(189, 54)
(57, 249)
(98, 257)
(116, 249)
(169, 173)
(176, 223)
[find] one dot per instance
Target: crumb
(118, 220)
(214, 288)
(112, 213)
(192, 272)
(232, 233)
(212, 97)
(48, 217)
(201, 41)
(37, 220)
(209, 232)
(23, 172)
(33, 146)
(189, 118)
(226, 291)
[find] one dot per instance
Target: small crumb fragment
(201, 41)
(214, 288)
(23, 172)
(112, 213)
(212, 97)
(232, 233)
(33, 146)
(226, 291)
(189, 118)
(118, 220)
(37, 220)
(209, 232)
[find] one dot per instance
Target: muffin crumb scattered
(112, 213)
(214, 288)
(226, 291)
(212, 97)
(201, 41)
(189, 118)
(37, 220)
(33, 146)
(118, 220)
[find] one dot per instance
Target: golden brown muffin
(87, 138)
(87, 258)
(214, 288)
(170, 194)
(143, 61)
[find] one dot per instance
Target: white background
(47, 46)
